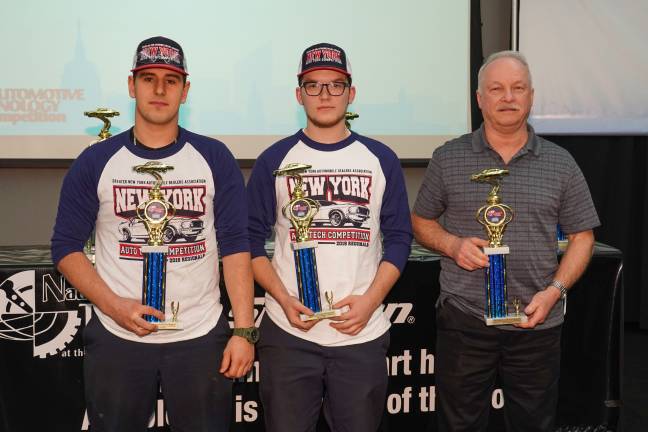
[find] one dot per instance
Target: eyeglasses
(334, 88)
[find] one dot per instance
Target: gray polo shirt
(544, 188)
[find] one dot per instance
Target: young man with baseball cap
(364, 234)
(126, 357)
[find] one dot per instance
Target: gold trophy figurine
(103, 114)
(348, 116)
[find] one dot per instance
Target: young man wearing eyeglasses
(363, 233)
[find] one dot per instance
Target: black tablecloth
(41, 352)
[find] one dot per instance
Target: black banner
(41, 353)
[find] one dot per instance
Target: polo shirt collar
(533, 144)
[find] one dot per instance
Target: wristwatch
(562, 288)
(251, 334)
(563, 293)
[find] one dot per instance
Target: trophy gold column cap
(291, 169)
(103, 114)
(348, 117)
(294, 170)
(492, 176)
(154, 168)
(494, 216)
(156, 211)
(300, 210)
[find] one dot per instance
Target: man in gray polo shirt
(544, 188)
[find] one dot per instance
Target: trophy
(300, 211)
(562, 239)
(348, 117)
(155, 213)
(494, 217)
(102, 114)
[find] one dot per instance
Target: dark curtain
(615, 169)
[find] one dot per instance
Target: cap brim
(325, 68)
(161, 66)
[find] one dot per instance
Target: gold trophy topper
(155, 212)
(348, 117)
(300, 210)
(103, 114)
(493, 216)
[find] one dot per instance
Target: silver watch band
(563, 293)
(561, 287)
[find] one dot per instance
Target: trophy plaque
(102, 114)
(155, 213)
(300, 210)
(494, 217)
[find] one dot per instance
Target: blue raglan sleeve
(77, 209)
(262, 204)
(395, 222)
(230, 209)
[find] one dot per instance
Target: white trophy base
(323, 314)
(304, 245)
(507, 320)
(169, 325)
(502, 250)
(155, 249)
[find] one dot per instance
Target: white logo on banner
(399, 313)
(49, 332)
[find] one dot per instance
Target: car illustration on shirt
(338, 214)
(188, 229)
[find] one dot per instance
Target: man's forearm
(430, 234)
(385, 278)
(239, 283)
(81, 274)
(576, 257)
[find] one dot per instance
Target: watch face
(251, 334)
(254, 335)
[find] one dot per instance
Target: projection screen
(589, 63)
(410, 64)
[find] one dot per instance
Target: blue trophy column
(495, 282)
(306, 270)
(154, 279)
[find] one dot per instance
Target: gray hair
(515, 55)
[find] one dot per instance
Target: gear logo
(21, 318)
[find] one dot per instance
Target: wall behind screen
(409, 59)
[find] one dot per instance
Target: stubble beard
(326, 124)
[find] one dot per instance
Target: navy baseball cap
(324, 56)
(160, 52)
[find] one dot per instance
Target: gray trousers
(299, 379)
